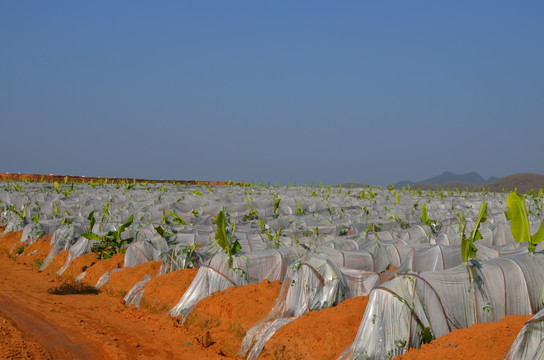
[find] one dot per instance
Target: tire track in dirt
(53, 339)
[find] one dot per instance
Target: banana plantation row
(431, 261)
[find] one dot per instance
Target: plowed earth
(38, 325)
(35, 324)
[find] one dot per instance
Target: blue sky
(289, 92)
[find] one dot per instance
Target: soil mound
(162, 293)
(122, 281)
(322, 334)
(96, 268)
(222, 320)
(487, 341)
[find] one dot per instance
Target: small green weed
(38, 262)
(19, 249)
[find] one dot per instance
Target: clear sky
(281, 91)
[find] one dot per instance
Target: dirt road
(37, 325)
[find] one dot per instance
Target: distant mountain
(522, 182)
(471, 178)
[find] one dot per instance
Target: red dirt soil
(37, 325)
(95, 272)
(487, 341)
(122, 281)
(57, 262)
(81, 326)
(33, 253)
(322, 334)
(14, 344)
(162, 293)
(222, 320)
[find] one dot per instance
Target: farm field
(205, 271)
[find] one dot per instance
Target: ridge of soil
(322, 334)
(480, 341)
(222, 319)
(162, 293)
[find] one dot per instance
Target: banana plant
(224, 239)
(276, 207)
(209, 188)
(92, 221)
(274, 238)
(105, 212)
(252, 213)
(36, 218)
(110, 243)
(519, 222)
(425, 216)
(190, 258)
(62, 190)
(403, 224)
(182, 256)
(468, 249)
(176, 218)
(426, 220)
(166, 233)
(17, 187)
(21, 214)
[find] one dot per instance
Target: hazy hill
(471, 178)
(523, 182)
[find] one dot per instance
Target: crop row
(454, 258)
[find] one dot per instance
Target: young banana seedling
(468, 249)
(225, 239)
(110, 243)
(519, 222)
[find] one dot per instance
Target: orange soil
(81, 326)
(95, 272)
(15, 345)
(487, 341)
(322, 334)
(9, 241)
(162, 293)
(45, 326)
(221, 320)
(33, 253)
(122, 281)
(76, 265)
(57, 262)
(389, 274)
